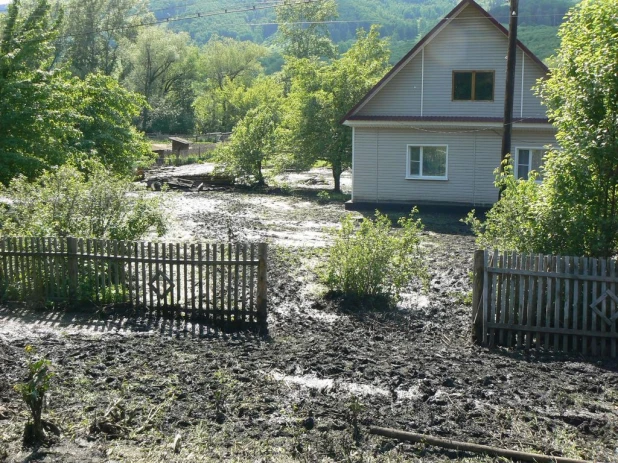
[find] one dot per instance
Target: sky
(4, 2)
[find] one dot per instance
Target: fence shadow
(121, 320)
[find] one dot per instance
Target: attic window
(473, 85)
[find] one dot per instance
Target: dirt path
(296, 395)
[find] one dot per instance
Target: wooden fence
(219, 283)
(554, 302)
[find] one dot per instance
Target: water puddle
(331, 385)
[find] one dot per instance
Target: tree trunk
(336, 167)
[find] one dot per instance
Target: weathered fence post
(477, 293)
(262, 284)
(72, 268)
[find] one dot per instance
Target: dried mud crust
(296, 394)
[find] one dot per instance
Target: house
(430, 132)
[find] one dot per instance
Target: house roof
(180, 140)
(427, 38)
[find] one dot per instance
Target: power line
(176, 19)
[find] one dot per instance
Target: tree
(162, 65)
(575, 210)
(321, 94)
(47, 117)
(253, 142)
(302, 29)
(228, 66)
(34, 127)
(94, 30)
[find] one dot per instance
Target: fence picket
(575, 306)
(585, 308)
(593, 314)
(612, 306)
(604, 327)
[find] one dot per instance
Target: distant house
(430, 131)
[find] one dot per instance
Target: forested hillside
(404, 21)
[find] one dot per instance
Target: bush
(64, 202)
(513, 222)
(373, 260)
(33, 394)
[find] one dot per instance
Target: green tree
(48, 118)
(253, 142)
(106, 133)
(302, 30)
(34, 127)
(227, 67)
(94, 31)
(161, 66)
(321, 94)
(575, 210)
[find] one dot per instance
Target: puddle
(311, 314)
(332, 385)
(414, 300)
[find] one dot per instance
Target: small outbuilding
(179, 144)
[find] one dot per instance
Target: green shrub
(33, 394)
(373, 259)
(66, 202)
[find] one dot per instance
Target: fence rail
(554, 302)
(224, 283)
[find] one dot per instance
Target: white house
(430, 131)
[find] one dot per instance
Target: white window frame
(421, 176)
(516, 166)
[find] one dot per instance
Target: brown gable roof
(427, 37)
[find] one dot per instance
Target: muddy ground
(297, 394)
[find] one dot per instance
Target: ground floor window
(427, 162)
(528, 160)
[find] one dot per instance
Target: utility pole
(511, 59)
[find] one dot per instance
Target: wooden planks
(215, 282)
(557, 303)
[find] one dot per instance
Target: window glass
(415, 160)
(434, 161)
(484, 86)
(473, 85)
(529, 160)
(462, 86)
(427, 162)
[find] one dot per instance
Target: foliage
(512, 223)
(33, 394)
(373, 260)
(575, 210)
(253, 140)
(230, 69)
(94, 30)
(321, 94)
(302, 31)
(48, 118)
(65, 202)
(161, 66)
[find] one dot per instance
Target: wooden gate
(554, 302)
(211, 282)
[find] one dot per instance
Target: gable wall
(469, 42)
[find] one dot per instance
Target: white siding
(470, 42)
(380, 165)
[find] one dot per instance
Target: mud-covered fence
(219, 283)
(566, 304)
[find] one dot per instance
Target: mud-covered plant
(33, 393)
(355, 408)
(373, 259)
(225, 385)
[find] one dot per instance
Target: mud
(297, 394)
